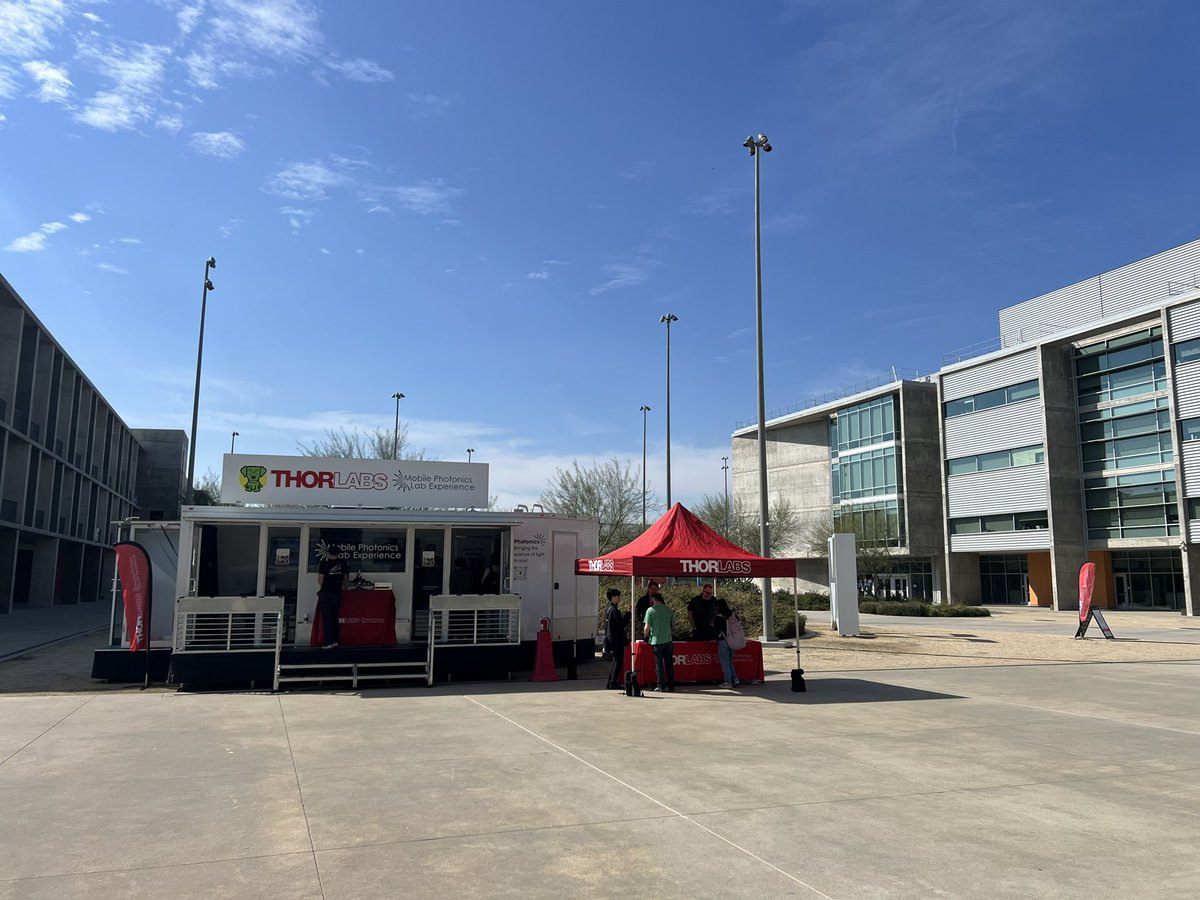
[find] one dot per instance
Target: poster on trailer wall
(319, 481)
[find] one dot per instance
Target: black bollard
(798, 685)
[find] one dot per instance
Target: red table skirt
(366, 619)
(697, 661)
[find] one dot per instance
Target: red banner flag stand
(1087, 585)
(133, 568)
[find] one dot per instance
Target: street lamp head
(748, 143)
(668, 318)
(764, 143)
(645, 409)
(237, 434)
(212, 263)
(397, 396)
(208, 285)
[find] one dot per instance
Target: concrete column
(1191, 580)
(1068, 525)
(962, 578)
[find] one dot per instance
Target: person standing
(657, 628)
(615, 623)
(724, 651)
(331, 574)
(701, 612)
(644, 602)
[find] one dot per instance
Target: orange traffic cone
(543, 663)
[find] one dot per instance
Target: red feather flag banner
(133, 568)
(1087, 586)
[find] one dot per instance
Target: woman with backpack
(729, 633)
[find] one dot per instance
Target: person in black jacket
(615, 623)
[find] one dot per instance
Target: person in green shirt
(657, 628)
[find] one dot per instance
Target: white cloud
(30, 243)
(539, 276)
(92, 17)
(188, 17)
(426, 105)
(52, 227)
(379, 208)
(172, 124)
(8, 81)
(221, 144)
(304, 181)
(285, 29)
(26, 26)
(427, 197)
(79, 218)
(53, 84)
(297, 218)
(324, 252)
(129, 240)
(620, 275)
(109, 267)
(136, 74)
(362, 70)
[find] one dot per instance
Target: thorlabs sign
(714, 566)
(312, 481)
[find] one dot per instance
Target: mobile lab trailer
(272, 550)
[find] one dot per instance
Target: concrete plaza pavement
(1050, 781)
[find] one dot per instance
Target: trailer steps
(353, 672)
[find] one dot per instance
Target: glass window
(965, 526)
(1028, 456)
(1026, 390)
(966, 464)
(1190, 429)
(1187, 351)
(998, 459)
(1028, 521)
(996, 523)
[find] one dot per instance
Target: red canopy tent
(680, 544)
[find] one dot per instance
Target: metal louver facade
(1021, 489)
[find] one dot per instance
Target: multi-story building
(1074, 437)
(68, 470)
(866, 463)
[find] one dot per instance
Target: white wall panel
(996, 373)
(1002, 491)
(1190, 457)
(1001, 541)
(999, 428)
(1185, 322)
(1187, 390)
(1146, 281)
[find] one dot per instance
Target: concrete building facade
(69, 469)
(1074, 438)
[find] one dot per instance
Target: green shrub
(895, 607)
(960, 609)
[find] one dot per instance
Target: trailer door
(564, 600)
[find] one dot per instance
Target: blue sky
(488, 206)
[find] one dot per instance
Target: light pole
(725, 472)
(470, 450)
(645, 409)
(232, 440)
(754, 145)
(396, 433)
(668, 318)
(210, 263)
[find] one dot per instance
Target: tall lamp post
(396, 433)
(210, 263)
(645, 409)
(754, 145)
(725, 472)
(668, 318)
(232, 440)
(470, 450)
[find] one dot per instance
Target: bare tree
(876, 546)
(208, 489)
(375, 444)
(606, 491)
(743, 526)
